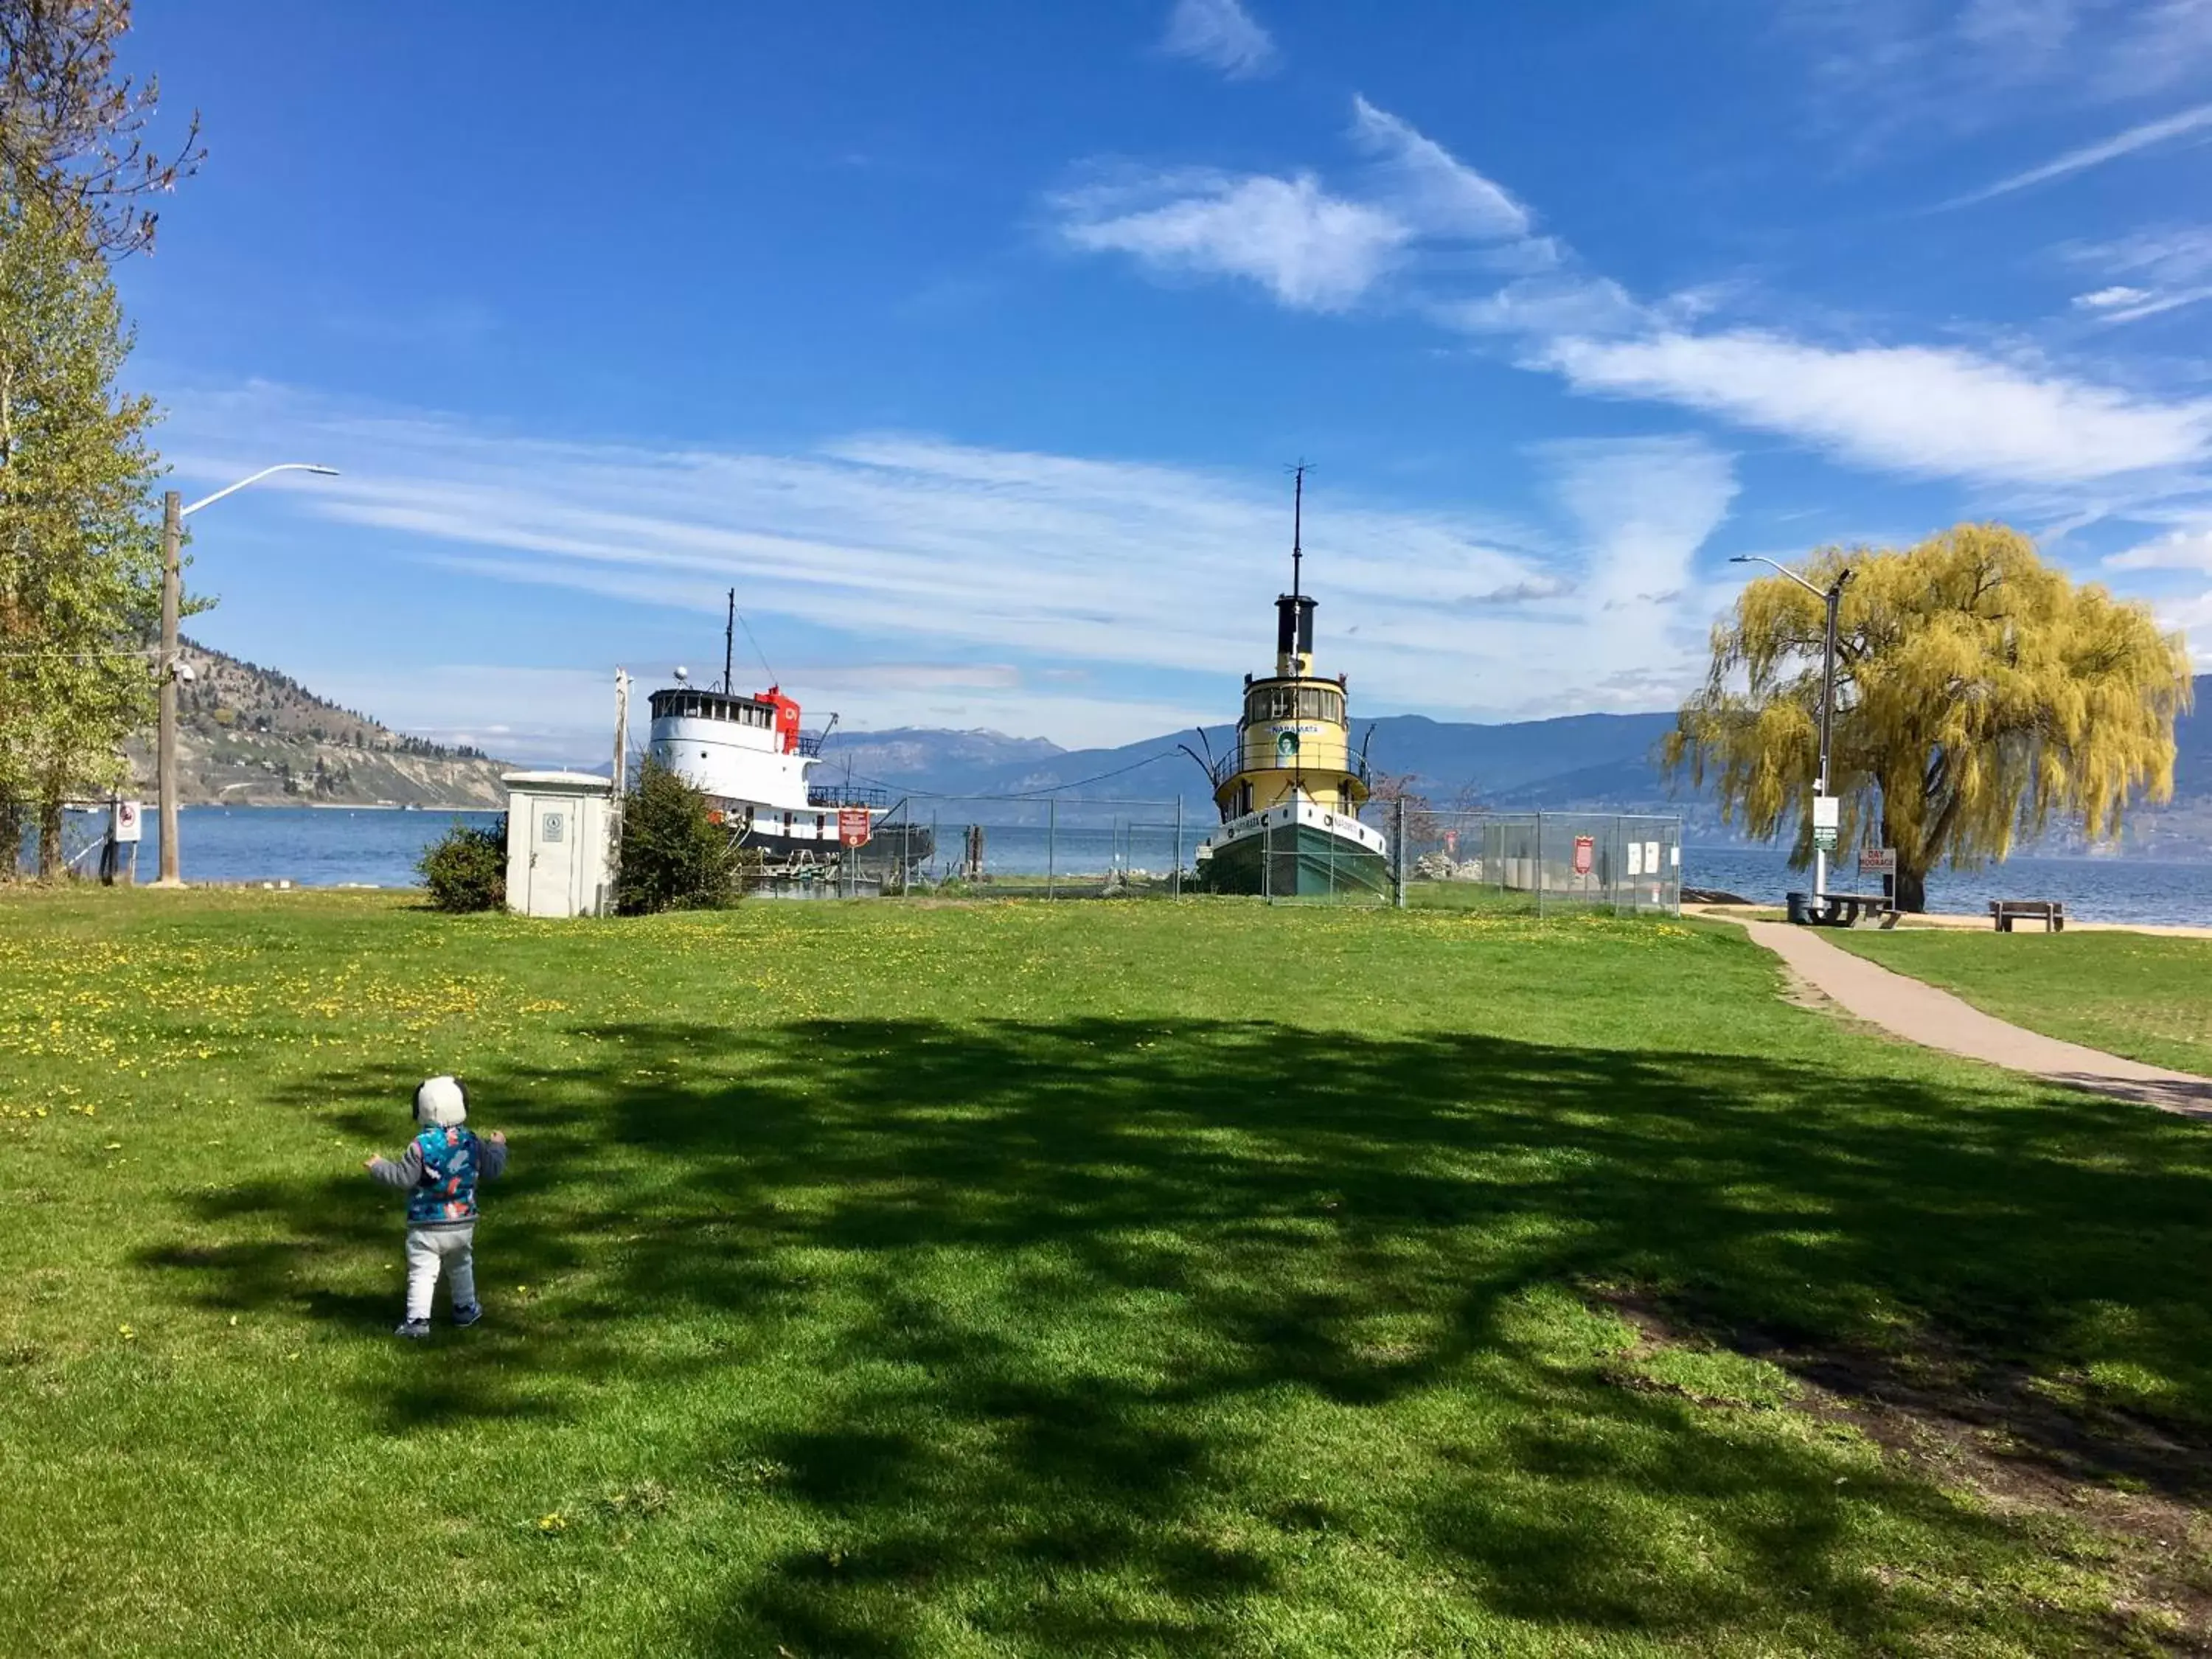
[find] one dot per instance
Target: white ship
(754, 762)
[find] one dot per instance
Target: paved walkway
(1920, 1013)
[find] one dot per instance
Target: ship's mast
(729, 637)
(1298, 525)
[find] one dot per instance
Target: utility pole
(168, 666)
(1831, 598)
(165, 742)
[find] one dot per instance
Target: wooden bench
(2051, 912)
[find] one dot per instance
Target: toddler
(439, 1172)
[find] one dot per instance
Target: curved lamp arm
(1744, 558)
(281, 466)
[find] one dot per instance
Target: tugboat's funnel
(1294, 614)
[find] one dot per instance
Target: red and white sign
(1452, 843)
(1585, 853)
(852, 825)
(126, 820)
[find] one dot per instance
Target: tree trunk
(50, 835)
(11, 837)
(1911, 890)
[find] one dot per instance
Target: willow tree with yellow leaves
(1979, 693)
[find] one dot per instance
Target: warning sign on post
(127, 820)
(1585, 853)
(851, 825)
(1878, 861)
(1826, 815)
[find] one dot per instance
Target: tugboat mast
(1298, 524)
(729, 635)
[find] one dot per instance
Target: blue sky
(969, 341)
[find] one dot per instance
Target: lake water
(2093, 889)
(330, 847)
(308, 846)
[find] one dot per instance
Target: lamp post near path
(166, 667)
(1831, 598)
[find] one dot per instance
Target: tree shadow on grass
(1058, 1288)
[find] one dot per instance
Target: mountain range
(250, 735)
(1594, 761)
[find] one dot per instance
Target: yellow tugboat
(1290, 794)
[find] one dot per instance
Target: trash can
(1801, 909)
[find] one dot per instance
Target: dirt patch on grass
(1993, 1430)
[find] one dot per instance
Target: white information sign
(128, 820)
(1827, 811)
(1650, 858)
(1636, 858)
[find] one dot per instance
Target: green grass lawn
(2143, 995)
(883, 1278)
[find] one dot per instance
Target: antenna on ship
(729, 638)
(1298, 525)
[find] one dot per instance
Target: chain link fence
(1062, 847)
(1538, 863)
(1052, 847)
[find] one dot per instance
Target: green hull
(1299, 862)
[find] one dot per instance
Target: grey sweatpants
(429, 1248)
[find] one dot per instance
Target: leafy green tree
(1979, 691)
(80, 554)
(675, 856)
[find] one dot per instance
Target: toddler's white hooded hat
(441, 1102)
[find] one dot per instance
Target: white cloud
(1882, 67)
(2111, 298)
(1547, 305)
(2184, 125)
(1912, 410)
(1313, 247)
(2179, 549)
(1220, 33)
(963, 582)
(1644, 507)
(1433, 188)
(1312, 250)
(2177, 260)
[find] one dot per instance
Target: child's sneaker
(416, 1328)
(470, 1314)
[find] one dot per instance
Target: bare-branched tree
(76, 130)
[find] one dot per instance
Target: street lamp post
(166, 666)
(1830, 599)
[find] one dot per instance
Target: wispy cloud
(1646, 507)
(1882, 67)
(1922, 411)
(912, 552)
(1313, 247)
(1916, 411)
(1220, 33)
(1431, 189)
(2175, 260)
(1310, 249)
(2187, 548)
(2186, 123)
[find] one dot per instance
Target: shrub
(674, 855)
(466, 868)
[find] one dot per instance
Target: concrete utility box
(557, 862)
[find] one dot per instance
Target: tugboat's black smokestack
(1294, 626)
